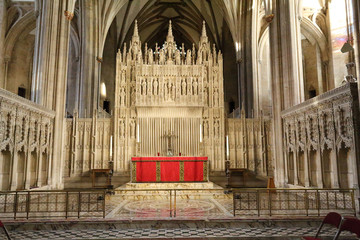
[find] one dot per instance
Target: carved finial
(170, 29)
(170, 37)
(203, 39)
(136, 30)
(203, 33)
(135, 37)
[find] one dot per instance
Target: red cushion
(311, 238)
(333, 218)
(352, 225)
(1, 224)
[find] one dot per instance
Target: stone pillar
(306, 168)
(3, 23)
(90, 67)
(286, 70)
(296, 167)
(319, 167)
(244, 58)
(296, 83)
(356, 36)
(334, 169)
(50, 70)
(277, 92)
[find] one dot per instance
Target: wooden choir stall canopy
(169, 169)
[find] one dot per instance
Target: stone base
(148, 191)
(171, 186)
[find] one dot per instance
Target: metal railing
(244, 202)
(52, 204)
(302, 202)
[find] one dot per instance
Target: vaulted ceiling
(153, 18)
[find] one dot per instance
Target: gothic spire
(136, 30)
(135, 37)
(203, 33)
(203, 38)
(170, 37)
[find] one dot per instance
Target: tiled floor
(203, 208)
(252, 233)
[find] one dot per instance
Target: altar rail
(52, 204)
(26, 139)
(321, 140)
(285, 202)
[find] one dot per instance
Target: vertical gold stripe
(205, 170)
(133, 171)
(181, 171)
(158, 172)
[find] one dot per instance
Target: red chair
(5, 230)
(331, 218)
(351, 225)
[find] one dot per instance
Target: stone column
(244, 58)
(3, 23)
(296, 83)
(89, 72)
(286, 70)
(319, 167)
(356, 36)
(50, 70)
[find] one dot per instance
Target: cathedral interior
(152, 110)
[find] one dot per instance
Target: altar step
(194, 190)
(177, 185)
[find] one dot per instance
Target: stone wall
(321, 140)
(87, 145)
(26, 138)
(250, 144)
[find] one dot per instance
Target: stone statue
(177, 57)
(189, 87)
(183, 87)
(139, 57)
(166, 91)
(122, 97)
(188, 57)
(206, 98)
(133, 95)
(216, 128)
(216, 98)
(173, 89)
(132, 128)
(149, 86)
(122, 128)
(155, 86)
(143, 87)
(161, 57)
(206, 128)
(150, 56)
(199, 59)
(195, 85)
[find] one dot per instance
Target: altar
(169, 169)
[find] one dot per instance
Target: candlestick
(111, 146)
(227, 147)
(138, 133)
(200, 132)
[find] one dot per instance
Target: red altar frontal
(169, 169)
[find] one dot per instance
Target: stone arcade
(114, 110)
